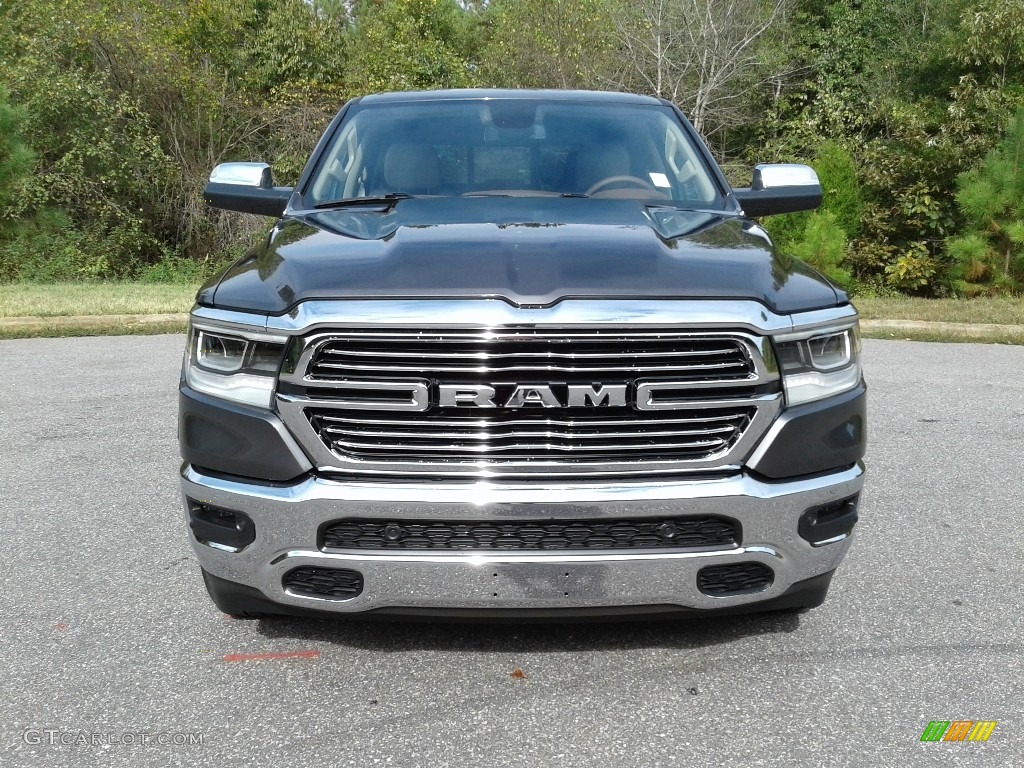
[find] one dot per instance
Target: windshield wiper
(689, 209)
(388, 200)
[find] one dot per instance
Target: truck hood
(527, 251)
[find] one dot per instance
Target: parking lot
(113, 654)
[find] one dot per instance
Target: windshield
(516, 147)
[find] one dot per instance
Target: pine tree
(989, 256)
(16, 162)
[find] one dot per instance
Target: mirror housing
(780, 188)
(246, 188)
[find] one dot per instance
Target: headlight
(819, 364)
(234, 367)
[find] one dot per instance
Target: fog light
(220, 528)
(829, 523)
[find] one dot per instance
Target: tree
(989, 257)
(16, 162)
(823, 246)
(26, 228)
(403, 45)
(547, 43)
(705, 55)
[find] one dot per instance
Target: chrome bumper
(287, 519)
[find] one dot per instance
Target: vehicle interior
(513, 148)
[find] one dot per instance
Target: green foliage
(913, 270)
(16, 163)
(840, 186)
(178, 270)
(403, 45)
(993, 40)
(989, 257)
(546, 43)
(122, 112)
(296, 44)
(823, 246)
(98, 159)
(820, 238)
(26, 229)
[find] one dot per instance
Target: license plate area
(541, 581)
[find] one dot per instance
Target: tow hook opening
(829, 523)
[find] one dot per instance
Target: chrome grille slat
(459, 335)
(521, 433)
(470, 422)
(531, 354)
(441, 368)
(533, 447)
(712, 385)
(493, 355)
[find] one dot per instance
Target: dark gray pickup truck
(512, 354)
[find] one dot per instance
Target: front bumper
(287, 519)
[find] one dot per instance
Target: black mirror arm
(263, 201)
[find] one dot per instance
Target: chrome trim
(243, 175)
(774, 175)
(709, 314)
(419, 398)
(646, 400)
(833, 540)
(455, 395)
(287, 519)
(819, 321)
(810, 331)
(292, 410)
(767, 440)
(606, 395)
(757, 350)
(736, 320)
(245, 330)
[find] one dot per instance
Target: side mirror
(780, 188)
(246, 188)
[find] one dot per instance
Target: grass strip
(96, 325)
(78, 299)
(988, 311)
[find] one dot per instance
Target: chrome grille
(507, 437)
(529, 353)
(369, 402)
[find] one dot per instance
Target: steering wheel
(634, 181)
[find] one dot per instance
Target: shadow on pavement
(491, 637)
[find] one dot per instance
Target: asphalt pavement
(113, 655)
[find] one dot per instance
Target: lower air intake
(734, 579)
(324, 583)
(658, 533)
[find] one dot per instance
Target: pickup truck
(518, 354)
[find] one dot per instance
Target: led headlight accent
(219, 353)
(819, 364)
(240, 368)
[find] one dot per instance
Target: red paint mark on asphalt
(271, 656)
(60, 625)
